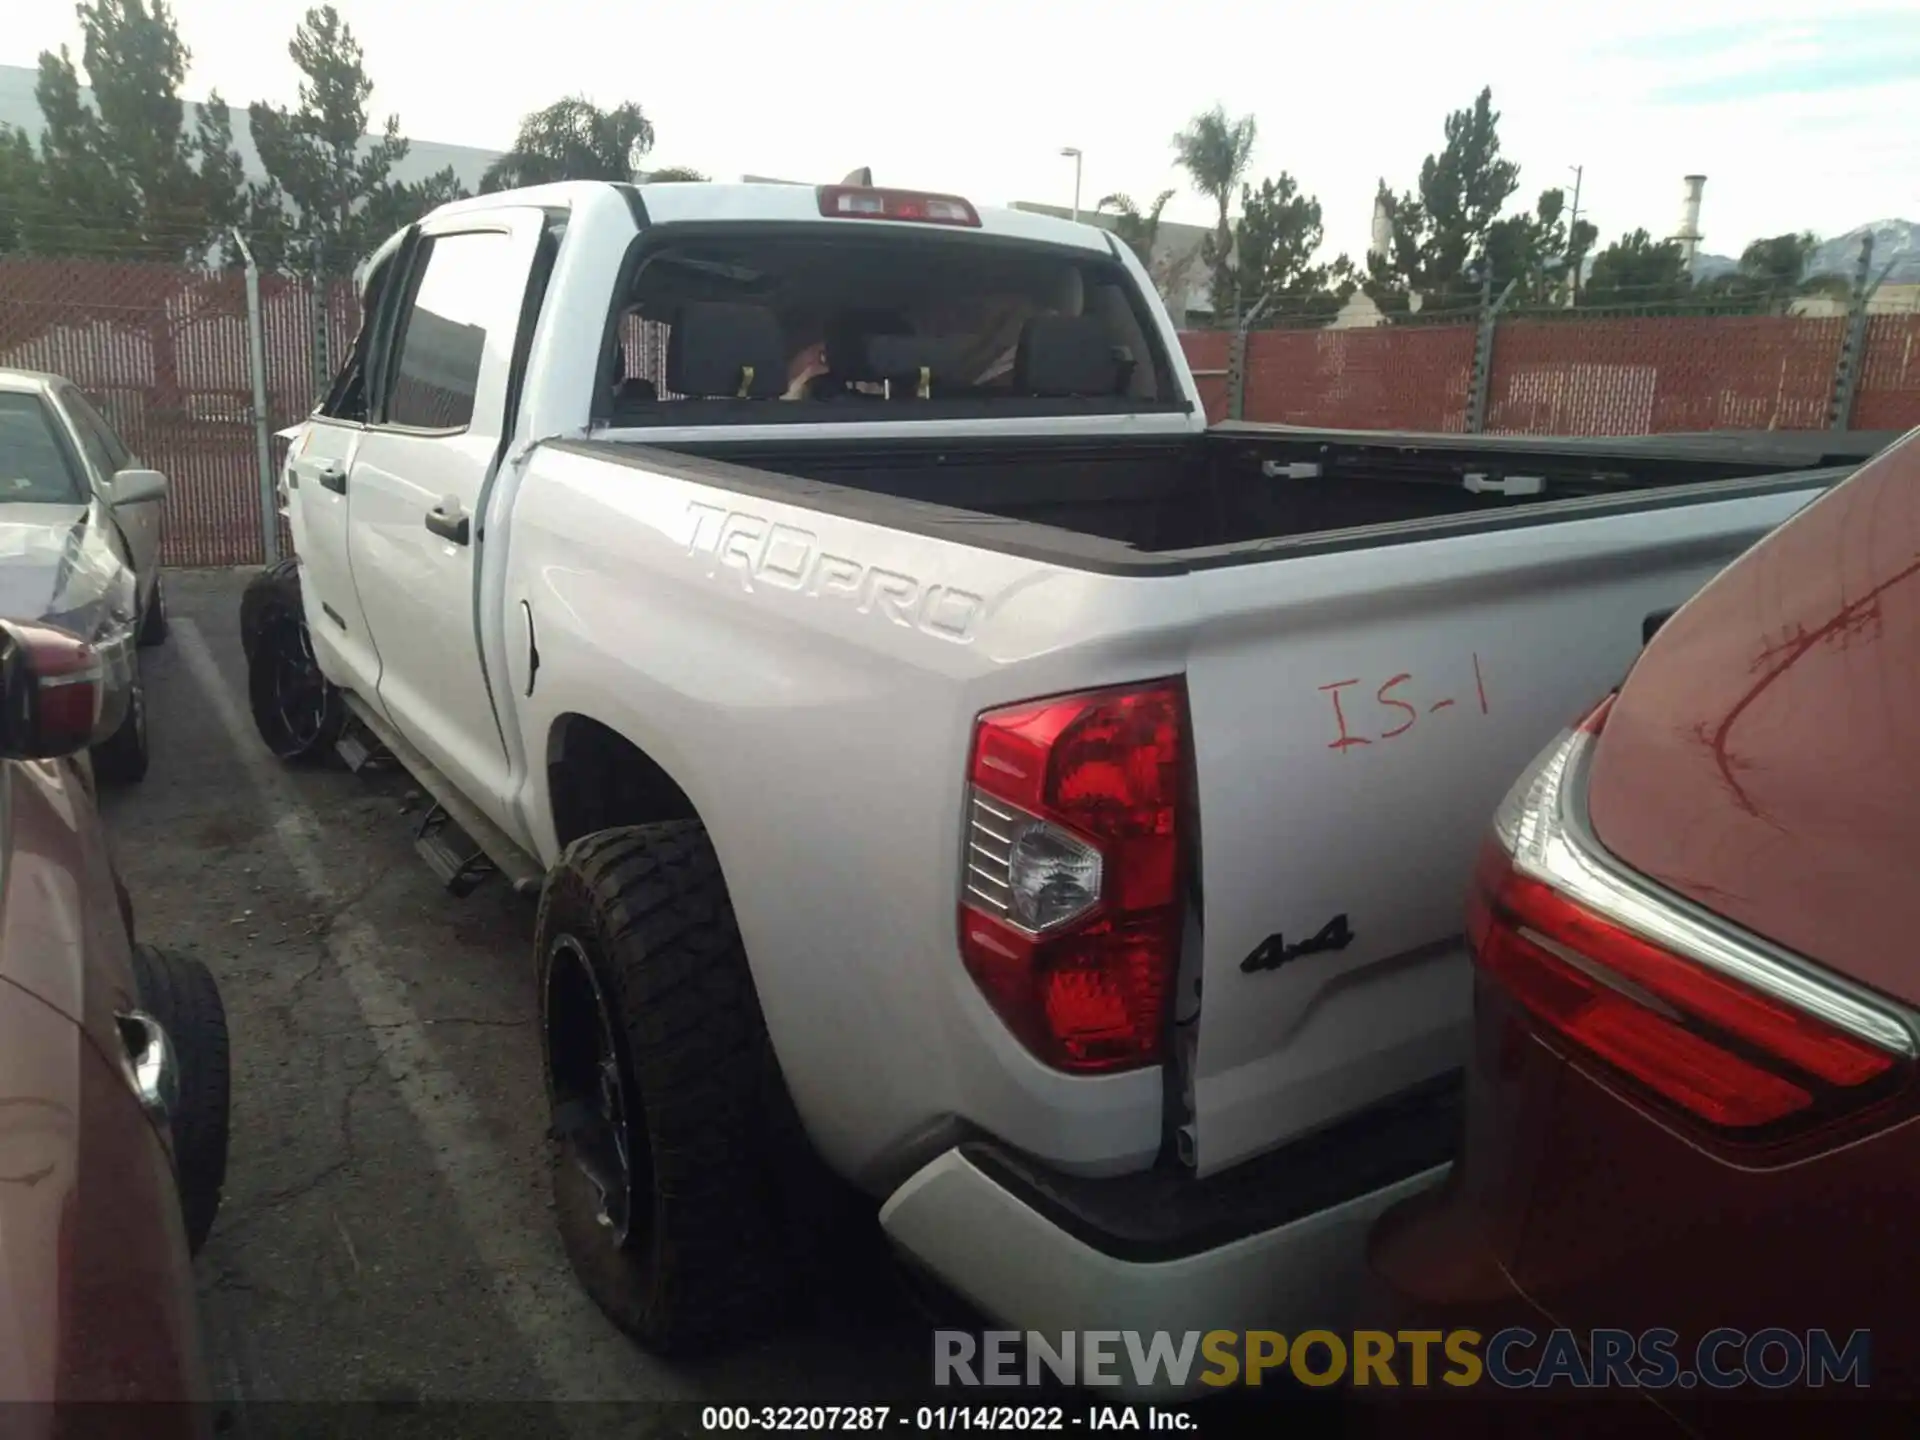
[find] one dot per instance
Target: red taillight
(1541, 922)
(1070, 916)
(864, 202)
(51, 691)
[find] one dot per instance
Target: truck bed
(1200, 498)
(1370, 641)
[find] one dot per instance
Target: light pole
(1573, 221)
(1073, 152)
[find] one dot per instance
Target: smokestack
(1689, 236)
(1382, 241)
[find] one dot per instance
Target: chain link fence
(1889, 394)
(164, 351)
(1555, 371)
(1660, 374)
(1380, 378)
(1616, 376)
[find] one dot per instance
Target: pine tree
(23, 197)
(123, 175)
(573, 139)
(330, 197)
(1636, 270)
(1277, 237)
(1442, 230)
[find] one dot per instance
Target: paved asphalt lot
(385, 1236)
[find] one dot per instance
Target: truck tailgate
(1357, 717)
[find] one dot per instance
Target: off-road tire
(121, 759)
(707, 1263)
(180, 993)
(153, 624)
(271, 617)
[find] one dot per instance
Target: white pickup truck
(940, 754)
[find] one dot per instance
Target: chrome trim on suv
(1565, 854)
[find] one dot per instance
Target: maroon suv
(113, 1090)
(1696, 929)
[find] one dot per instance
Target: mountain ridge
(1894, 240)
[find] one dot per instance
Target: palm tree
(1137, 229)
(1215, 152)
(573, 139)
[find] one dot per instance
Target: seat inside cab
(956, 325)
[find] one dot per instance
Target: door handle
(332, 477)
(447, 521)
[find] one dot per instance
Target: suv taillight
(1070, 909)
(1714, 1022)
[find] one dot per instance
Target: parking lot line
(577, 1353)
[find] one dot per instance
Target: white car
(949, 766)
(80, 528)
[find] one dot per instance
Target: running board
(357, 753)
(522, 871)
(450, 852)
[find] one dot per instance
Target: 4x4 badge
(1273, 952)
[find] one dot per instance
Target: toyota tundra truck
(947, 765)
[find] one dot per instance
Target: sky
(1800, 113)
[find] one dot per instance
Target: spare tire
(181, 994)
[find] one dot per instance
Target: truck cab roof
(689, 201)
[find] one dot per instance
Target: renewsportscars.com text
(1516, 1358)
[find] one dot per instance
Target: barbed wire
(1816, 300)
(185, 243)
(180, 252)
(158, 256)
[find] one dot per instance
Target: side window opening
(35, 467)
(346, 397)
(349, 396)
(97, 433)
(443, 336)
(90, 435)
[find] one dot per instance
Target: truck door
(417, 479)
(319, 500)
